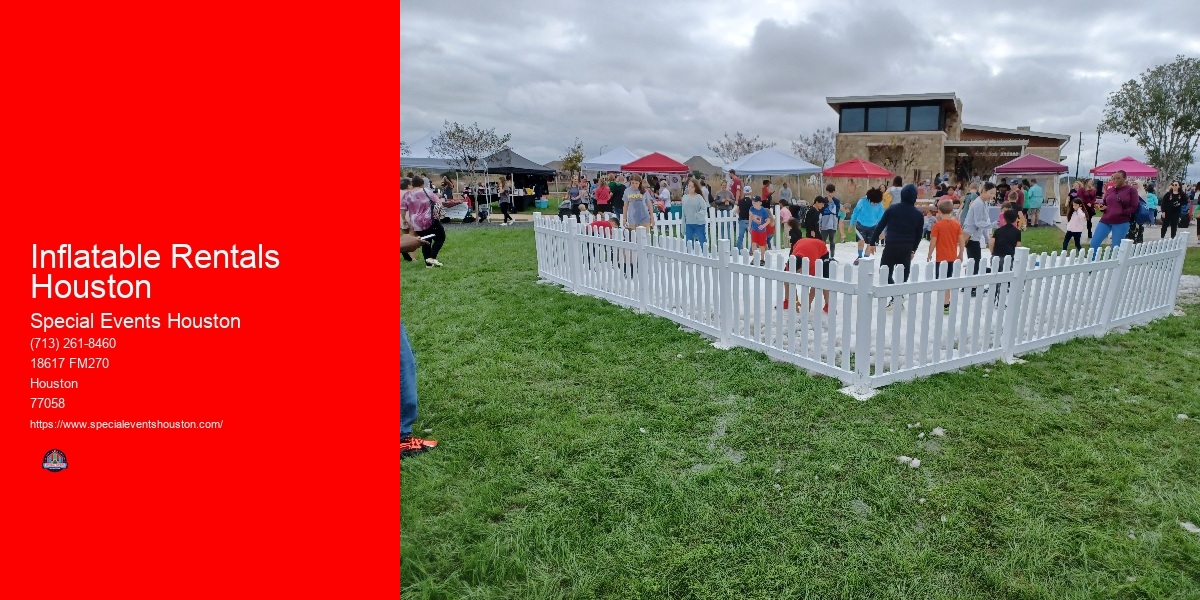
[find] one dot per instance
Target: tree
(573, 158)
(982, 160)
(697, 175)
(1161, 112)
(818, 148)
(893, 156)
(467, 146)
(731, 149)
(405, 150)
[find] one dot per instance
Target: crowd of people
(958, 225)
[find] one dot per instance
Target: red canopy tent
(1132, 168)
(857, 168)
(655, 163)
(1030, 164)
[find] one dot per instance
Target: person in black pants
(1172, 204)
(904, 224)
(435, 229)
(405, 184)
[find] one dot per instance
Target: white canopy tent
(609, 161)
(770, 161)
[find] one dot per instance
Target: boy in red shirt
(815, 250)
(944, 237)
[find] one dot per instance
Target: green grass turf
(1066, 477)
(1049, 239)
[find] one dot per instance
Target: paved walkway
(1152, 231)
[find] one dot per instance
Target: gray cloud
(671, 76)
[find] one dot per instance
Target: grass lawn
(590, 452)
(1049, 239)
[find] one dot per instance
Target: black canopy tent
(525, 174)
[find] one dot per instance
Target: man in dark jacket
(904, 225)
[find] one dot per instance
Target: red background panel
(209, 124)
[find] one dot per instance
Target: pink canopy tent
(1030, 164)
(1131, 166)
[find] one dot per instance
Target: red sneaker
(413, 445)
(785, 304)
(826, 309)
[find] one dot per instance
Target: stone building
(921, 135)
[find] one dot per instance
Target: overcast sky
(671, 75)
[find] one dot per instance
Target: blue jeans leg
(694, 234)
(743, 226)
(1118, 234)
(408, 385)
(1101, 232)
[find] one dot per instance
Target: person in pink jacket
(1076, 223)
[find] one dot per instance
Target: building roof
(1024, 132)
(974, 143)
(699, 163)
(947, 98)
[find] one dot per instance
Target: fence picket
(726, 293)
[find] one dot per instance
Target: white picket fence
(719, 225)
(1026, 303)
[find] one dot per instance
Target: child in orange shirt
(944, 237)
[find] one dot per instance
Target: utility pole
(1078, 153)
(1096, 160)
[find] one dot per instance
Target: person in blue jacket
(865, 217)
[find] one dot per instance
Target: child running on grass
(944, 237)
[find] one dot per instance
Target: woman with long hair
(1172, 202)
(505, 196)
(695, 214)
(639, 205)
(1075, 219)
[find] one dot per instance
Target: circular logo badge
(54, 461)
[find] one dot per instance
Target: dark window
(877, 118)
(854, 120)
(896, 117)
(925, 118)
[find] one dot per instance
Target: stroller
(483, 206)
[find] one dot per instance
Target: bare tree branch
(731, 149)
(818, 148)
(893, 156)
(467, 146)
